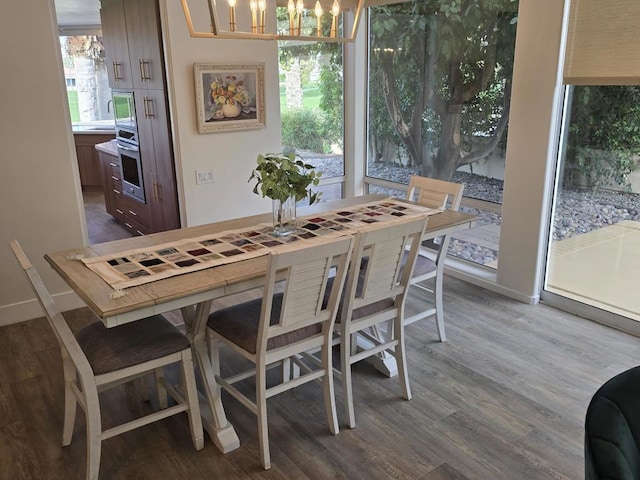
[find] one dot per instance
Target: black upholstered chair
(612, 429)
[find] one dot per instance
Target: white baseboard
(23, 311)
(485, 278)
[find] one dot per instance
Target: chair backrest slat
(306, 272)
(434, 193)
(379, 250)
(63, 333)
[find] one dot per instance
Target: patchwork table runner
(144, 265)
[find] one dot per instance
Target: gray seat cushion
(373, 308)
(366, 310)
(240, 323)
(423, 265)
(111, 349)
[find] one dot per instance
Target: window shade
(603, 43)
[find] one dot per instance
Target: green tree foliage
(304, 129)
(442, 70)
(88, 46)
(331, 88)
(604, 135)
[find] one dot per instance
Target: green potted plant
(285, 179)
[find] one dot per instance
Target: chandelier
(302, 20)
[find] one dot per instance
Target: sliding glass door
(594, 249)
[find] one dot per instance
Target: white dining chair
(370, 320)
(429, 269)
(290, 318)
(97, 358)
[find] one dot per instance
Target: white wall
(531, 146)
(231, 155)
(40, 203)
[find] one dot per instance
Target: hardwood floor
(101, 226)
(503, 398)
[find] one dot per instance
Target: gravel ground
(577, 211)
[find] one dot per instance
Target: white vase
(284, 217)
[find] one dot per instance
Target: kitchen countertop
(101, 127)
(108, 147)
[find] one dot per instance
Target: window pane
(311, 106)
(439, 93)
(85, 74)
(593, 252)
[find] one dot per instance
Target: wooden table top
(188, 289)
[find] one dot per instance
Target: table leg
(214, 419)
(383, 361)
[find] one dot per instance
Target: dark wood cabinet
(112, 184)
(132, 43)
(138, 32)
(88, 163)
(131, 213)
(156, 155)
(116, 49)
(145, 54)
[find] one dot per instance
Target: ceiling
(75, 13)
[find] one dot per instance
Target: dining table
(192, 293)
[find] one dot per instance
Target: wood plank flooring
(101, 226)
(503, 398)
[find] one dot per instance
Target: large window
(85, 74)
(311, 108)
(439, 93)
(594, 251)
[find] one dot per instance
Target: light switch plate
(204, 176)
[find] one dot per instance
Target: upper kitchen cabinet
(115, 42)
(132, 43)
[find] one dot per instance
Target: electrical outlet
(204, 176)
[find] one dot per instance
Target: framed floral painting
(229, 97)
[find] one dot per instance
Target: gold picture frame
(229, 97)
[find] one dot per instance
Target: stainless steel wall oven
(128, 146)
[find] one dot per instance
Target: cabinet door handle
(119, 211)
(114, 164)
(116, 72)
(117, 192)
(148, 108)
(133, 213)
(145, 70)
(156, 192)
(114, 178)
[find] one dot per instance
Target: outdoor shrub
(304, 129)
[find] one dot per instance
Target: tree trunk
(293, 85)
(86, 88)
(446, 160)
